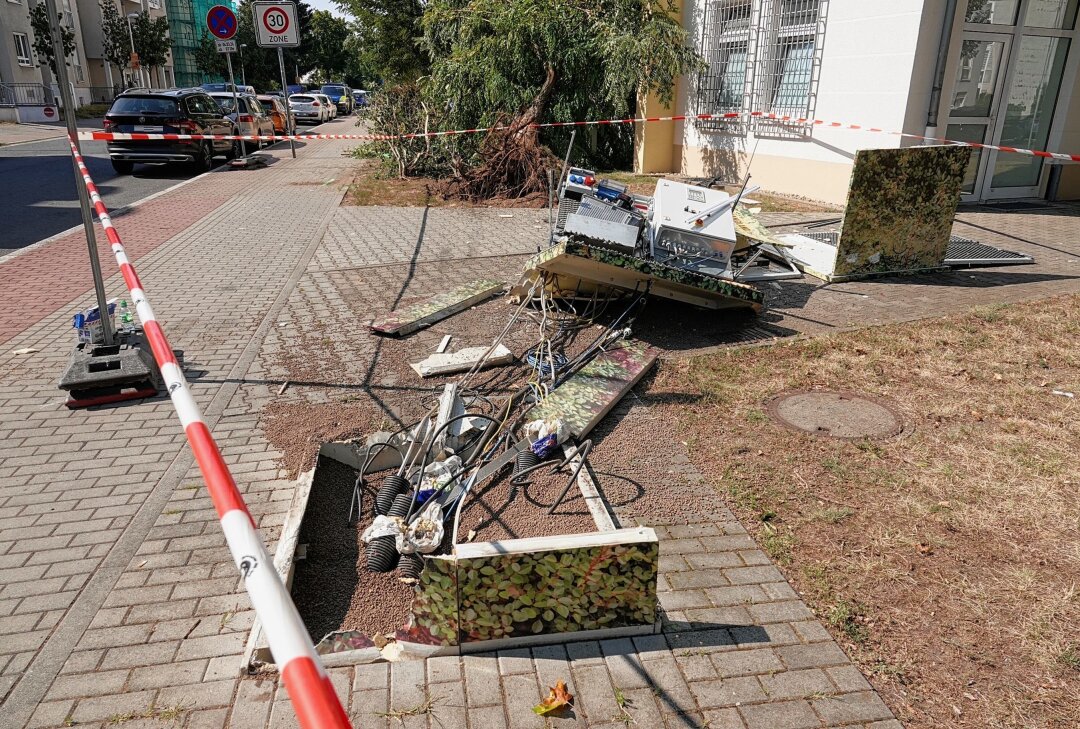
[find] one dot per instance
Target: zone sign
(276, 24)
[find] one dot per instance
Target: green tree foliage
(388, 38)
(151, 39)
(115, 44)
(553, 60)
(521, 62)
(324, 45)
(43, 45)
(207, 58)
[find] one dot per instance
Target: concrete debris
(450, 362)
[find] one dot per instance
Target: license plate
(148, 128)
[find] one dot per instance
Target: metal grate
(788, 63)
(725, 86)
(967, 252)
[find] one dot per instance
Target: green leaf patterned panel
(437, 307)
(590, 393)
(900, 209)
(557, 591)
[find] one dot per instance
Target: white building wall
(876, 66)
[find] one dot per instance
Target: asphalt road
(39, 198)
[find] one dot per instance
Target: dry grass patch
(946, 561)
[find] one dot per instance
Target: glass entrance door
(1007, 88)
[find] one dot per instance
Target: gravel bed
(494, 516)
(332, 588)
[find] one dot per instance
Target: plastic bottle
(127, 321)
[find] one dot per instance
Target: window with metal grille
(725, 46)
(761, 55)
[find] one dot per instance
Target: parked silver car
(253, 118)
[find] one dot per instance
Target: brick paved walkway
(117, 595)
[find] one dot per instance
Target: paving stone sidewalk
(118, 599)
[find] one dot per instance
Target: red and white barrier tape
(313, 697)
(731, 116)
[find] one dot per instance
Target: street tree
(325, 45)
(43, 45)
(522, 62)
(389, 33)
(207, 58)
(115, 42)
(151, 39)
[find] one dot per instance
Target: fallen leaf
(557, 698)
(925, 549)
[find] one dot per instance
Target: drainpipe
(939, 70)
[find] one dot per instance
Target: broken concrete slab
(583, 400)
(436, 308)
(450, 362)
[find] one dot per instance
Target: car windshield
(333, 90)
(226, 103)
(144, 105)
(302, 99)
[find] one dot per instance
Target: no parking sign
(276, 25)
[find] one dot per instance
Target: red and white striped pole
(309, 687)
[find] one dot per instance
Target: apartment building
(24, 78)
(105, 77)
(1000, 72)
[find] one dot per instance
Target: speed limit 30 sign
(276, 24)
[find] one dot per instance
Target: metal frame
(768, 30)
(1012, 36)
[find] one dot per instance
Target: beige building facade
(1000, 72)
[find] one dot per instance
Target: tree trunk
(538, 106)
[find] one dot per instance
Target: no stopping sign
(275, 24)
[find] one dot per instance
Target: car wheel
(204, 159)
(122, 167)
(234, 150)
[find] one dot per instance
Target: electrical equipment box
(579, 181)
(605, 224)
(692, 223)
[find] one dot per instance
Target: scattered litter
(461, 361)
(284, 386)
(471, 535)
(505, 215)
(557, 698)
(1062, 393)
(141, 565)
(26, 350)
(444, 344)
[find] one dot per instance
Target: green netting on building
(187, 24)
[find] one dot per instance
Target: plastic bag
(424, 534)
(438, 474)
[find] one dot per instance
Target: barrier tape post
(729, 116)
(313, 697)
(84, 200)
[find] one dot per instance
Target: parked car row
(213, 109)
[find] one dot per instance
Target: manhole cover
(836, 414)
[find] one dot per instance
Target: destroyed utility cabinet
(474, 595)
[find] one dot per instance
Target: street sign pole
(288, 108)
(84, 196)
(235, 103)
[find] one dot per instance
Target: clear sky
(326, 5)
